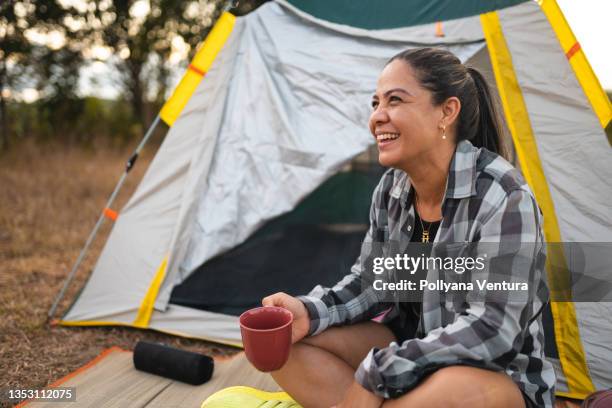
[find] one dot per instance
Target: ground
(50, 199)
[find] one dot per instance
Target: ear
(450, 111)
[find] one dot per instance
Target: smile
(386, 137)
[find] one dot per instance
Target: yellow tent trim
(146, 306)
(567, 333)
(586, 77)
(90, 323)
(212, 339)
(148, 302)
(198, 67)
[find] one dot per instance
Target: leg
(321, 368)
(561, 402)
(461, 386)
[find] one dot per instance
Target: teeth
(387, 136)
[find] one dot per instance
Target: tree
(53, 68)
(143, 36)
(14, 51)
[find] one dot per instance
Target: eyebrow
(390, 91)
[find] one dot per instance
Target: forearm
(345, 303)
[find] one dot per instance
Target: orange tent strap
(197, 70)
(573, 50)
(110, 214)
(439, 31)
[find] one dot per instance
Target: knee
(463, 385)
(452, 374)
(322, 340)
(474, 387)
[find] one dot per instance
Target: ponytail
(443, 74)
(489, 129)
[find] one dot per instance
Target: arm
(352, 299)
(487, 334)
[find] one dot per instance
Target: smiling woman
(437, 127)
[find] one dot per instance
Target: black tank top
(405, 325)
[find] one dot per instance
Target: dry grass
(50, 198)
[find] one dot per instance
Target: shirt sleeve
(353, 300)
(488, 333)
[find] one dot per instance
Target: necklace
(425, 233)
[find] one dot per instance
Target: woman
(436, 126)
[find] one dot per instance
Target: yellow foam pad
(247, 397)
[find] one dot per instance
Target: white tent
(284, 106)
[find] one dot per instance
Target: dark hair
(443, 74)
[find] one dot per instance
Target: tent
(255, 187)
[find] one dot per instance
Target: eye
(395, 98)
(374, 104)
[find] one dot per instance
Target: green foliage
(52, 69)
(14, 52)
(93, 122)
(140, 35)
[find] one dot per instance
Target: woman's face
(404, 121)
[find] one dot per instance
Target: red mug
(266, 336)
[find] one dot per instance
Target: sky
(590, 20)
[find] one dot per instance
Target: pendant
(425, 236)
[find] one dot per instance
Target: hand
(358, 397)
(301, 320)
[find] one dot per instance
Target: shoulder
(493, 171)
(502, 185)
(497, 178)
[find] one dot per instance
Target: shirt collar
(461, 182)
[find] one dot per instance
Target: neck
(428, 174)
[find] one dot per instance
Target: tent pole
(129, 165)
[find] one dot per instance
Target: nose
(378, 117)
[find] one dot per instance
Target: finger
(273, 300)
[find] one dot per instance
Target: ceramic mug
(266, 336)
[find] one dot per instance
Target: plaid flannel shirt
(486, 200)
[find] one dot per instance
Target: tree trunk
(137, 91)
(4, 137)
